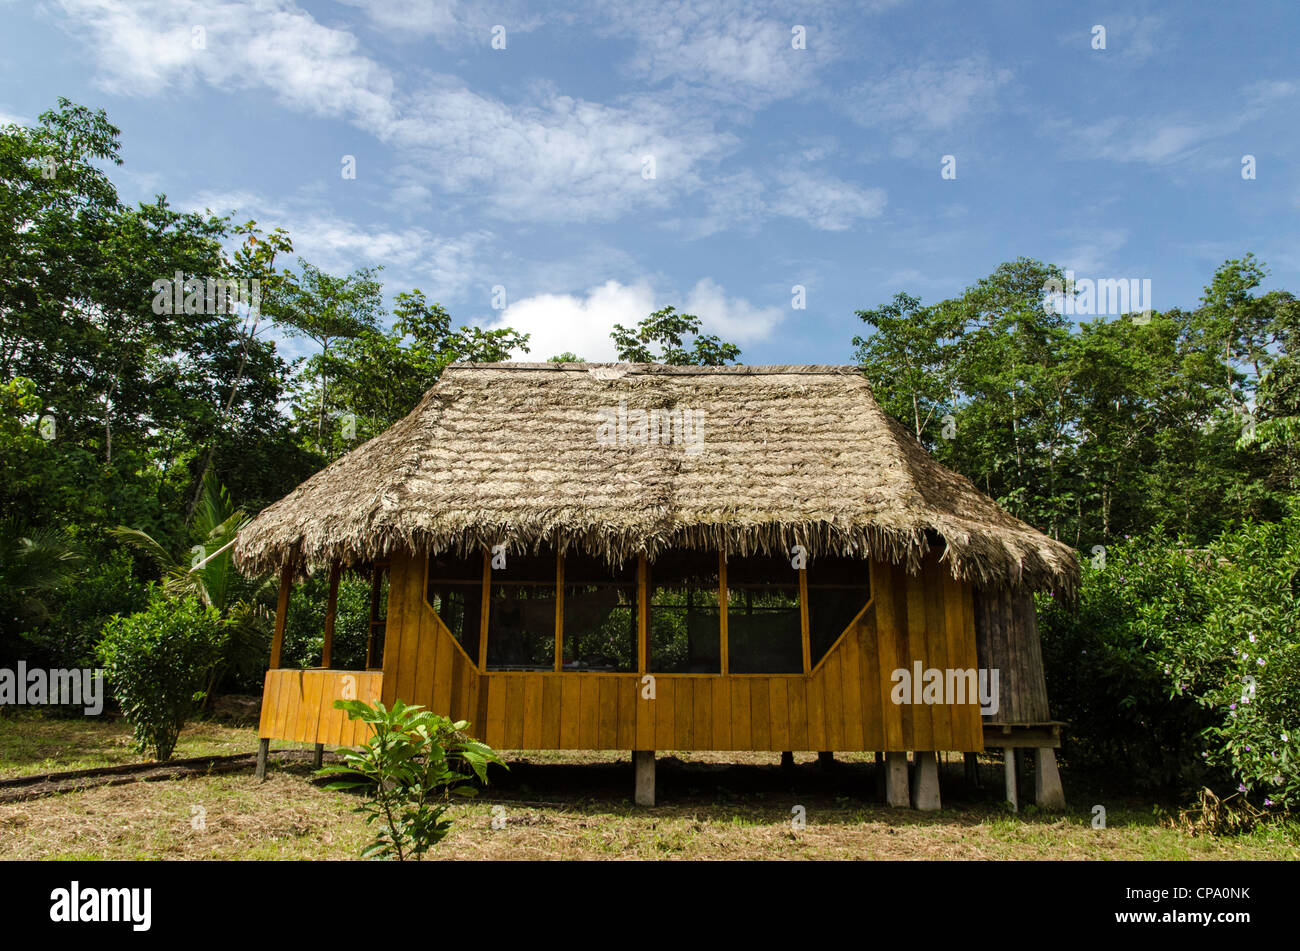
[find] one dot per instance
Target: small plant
(157, 662)
(413, 764)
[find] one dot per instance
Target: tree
(327, 309)
(381, 375)
(666, 328)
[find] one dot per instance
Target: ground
(563, 805)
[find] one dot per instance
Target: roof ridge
(740, 369)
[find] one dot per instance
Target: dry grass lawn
(575, 806)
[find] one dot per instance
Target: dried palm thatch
(516, 453)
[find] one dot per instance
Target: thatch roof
(512, 452)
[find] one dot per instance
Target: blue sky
(525, 167)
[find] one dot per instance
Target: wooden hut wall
(1006, 636)
(843, 704)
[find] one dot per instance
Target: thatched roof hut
(641, 557)
(786, 455)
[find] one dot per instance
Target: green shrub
(1182, 666)
(410, 768)
(157, 663)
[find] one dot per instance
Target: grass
(566, 806)
(32, 745)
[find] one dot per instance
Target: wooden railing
(298, 705)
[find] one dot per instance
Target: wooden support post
(331, 605)
(643, 762)
(1009, 768)
(880, 775)
(896, 779)
(973, 769)
(925, 781)
(787, 761)
(318, 756)
(281, 615)
(1048, 793)
(262, 747)
(826, 759)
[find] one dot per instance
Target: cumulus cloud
(581, 323)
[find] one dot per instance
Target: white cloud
(581, 323)
(728, 51)
(824, 201)
(441, 266)
(732, 318)
(557, 323)
(928, 96)
(548, 157)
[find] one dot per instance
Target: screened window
(378, 617)
(685, 615)
(521, 614)
(455, 592)
(600, 623)
(764, 627)
(838, 588)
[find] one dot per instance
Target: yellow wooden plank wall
(298, 705)
(844, 704)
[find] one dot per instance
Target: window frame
(642, 586)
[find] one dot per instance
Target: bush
(157, 663)
(1182, 666)
(411, 767)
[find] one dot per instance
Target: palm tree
(34, 566)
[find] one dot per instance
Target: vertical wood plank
(607, 716)
(514, 714)
(798, 699)
(559, 611)
(885, 610)
(873, 723)
(665, 706)
(625, 694)
(922, 715)
(589, 700)
(721, 714)
(937, 646)
(702, 719)
(778, 712)
(683, 715)
(742, 734)
(532, 713)
(551, 690)
(833, 697)
(645, 716)
(760, 715)
(902, 651)
(570, 712)
(485, 606)
(851, 690)
(816, 706)
(497, 689)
